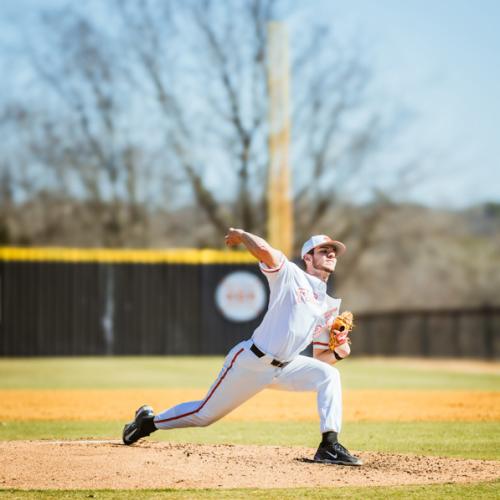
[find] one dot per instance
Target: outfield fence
(129, 302)
(473, 332)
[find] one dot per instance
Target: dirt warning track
(359, 405)
(109, 464)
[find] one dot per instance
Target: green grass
(479, 440)
(424, 492)
(108, 373)
(199, 372)
(370, 374)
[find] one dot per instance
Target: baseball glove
(344, 324)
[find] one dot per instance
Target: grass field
(185, 371)
(479, 439)
(472, 492)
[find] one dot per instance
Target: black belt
(274, 362)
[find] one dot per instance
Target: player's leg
(309, 374)
(241, 376)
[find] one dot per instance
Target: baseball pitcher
(299, 312)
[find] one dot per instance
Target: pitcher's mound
(109, 464)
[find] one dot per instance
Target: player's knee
(331, 375)
(205, 419)
(206, 422)
(334, 374)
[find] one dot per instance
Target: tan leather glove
(340, 329)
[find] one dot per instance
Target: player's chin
(329, 266)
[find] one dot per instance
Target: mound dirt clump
(110, 464)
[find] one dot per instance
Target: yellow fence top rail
(145, 256)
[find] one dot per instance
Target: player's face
(324, 258)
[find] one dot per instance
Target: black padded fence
(460, 333)
(63, 302)
(50, 307)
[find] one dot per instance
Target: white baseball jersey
(298, 309)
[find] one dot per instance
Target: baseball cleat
(137, 429)
(336, 454)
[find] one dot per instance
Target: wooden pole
(280, 204)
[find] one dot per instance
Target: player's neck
(318, 273)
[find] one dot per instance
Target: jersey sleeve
(280, 277)
(273, 273)
(321, 338)
(321, 334)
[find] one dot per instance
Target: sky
(442, 59)
(439, 58)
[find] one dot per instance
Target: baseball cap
(320, 240)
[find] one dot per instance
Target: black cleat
(336, 454)
(136, 430)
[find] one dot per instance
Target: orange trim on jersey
(208, 397)
(275, 270)
(321, 343)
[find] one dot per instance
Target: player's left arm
(341, 351)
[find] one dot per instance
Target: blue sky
(438, 58)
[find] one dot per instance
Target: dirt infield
(360, 405)
(109, 464)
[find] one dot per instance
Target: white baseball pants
(244, 375)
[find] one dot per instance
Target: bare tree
(82, 134)
(174, 95)
(336, 132)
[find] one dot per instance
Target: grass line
(479, 440)
(419, 492)
(198, 372)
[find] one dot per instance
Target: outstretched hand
(234, 237)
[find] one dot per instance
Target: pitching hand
(234, 237)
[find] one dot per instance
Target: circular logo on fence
(240, 296)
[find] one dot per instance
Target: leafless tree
(336, 133)
(80, 131)
(151, 97)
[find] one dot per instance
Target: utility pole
(279, 197)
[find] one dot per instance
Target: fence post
(424, 335)
(455, 333)
(489, 344)
(369, 335)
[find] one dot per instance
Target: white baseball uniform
(299, 309)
